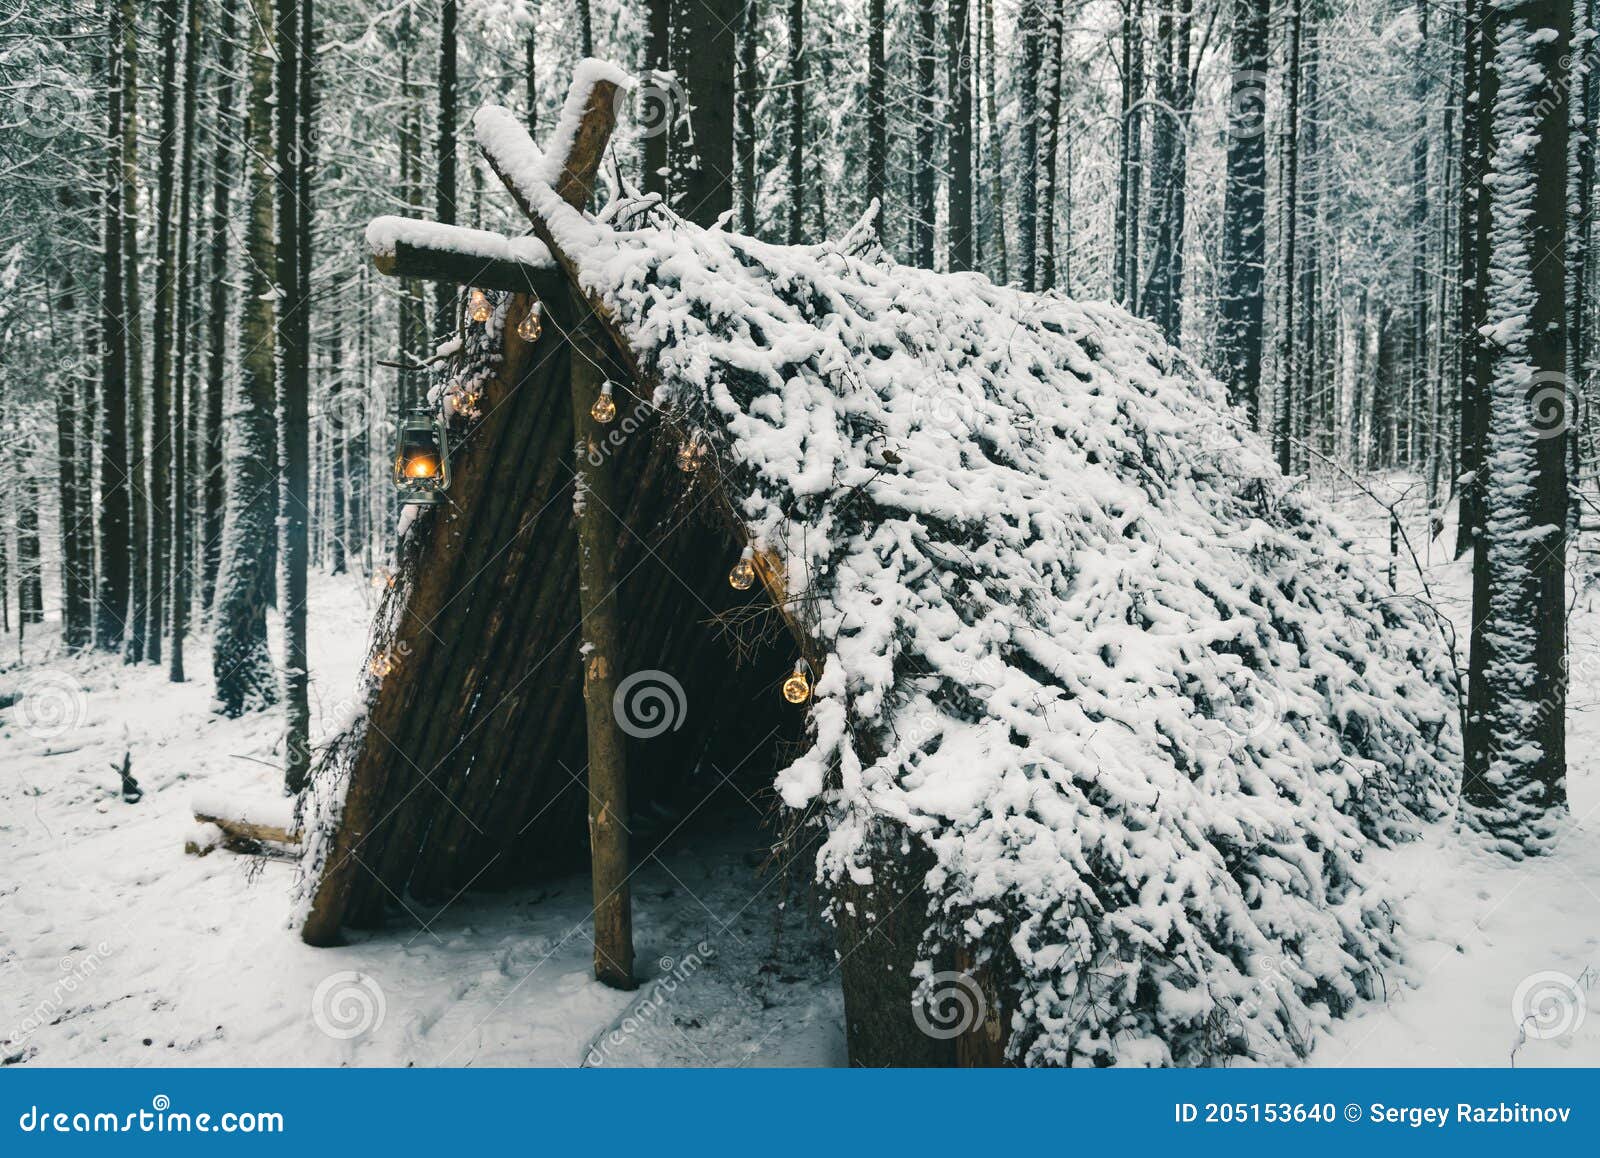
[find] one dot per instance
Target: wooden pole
(594, 516)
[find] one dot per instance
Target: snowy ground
(115, 947)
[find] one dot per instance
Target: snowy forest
(1125, 549)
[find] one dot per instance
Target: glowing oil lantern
(421, 459)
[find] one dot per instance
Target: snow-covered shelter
(1100, 712)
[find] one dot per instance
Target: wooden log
(244, 822)
(594, 513)
(456, 268)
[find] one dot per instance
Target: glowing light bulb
(478, 308)
(797, 688)
(605, 407)
(422, 466)
(690, 452)
(743, 574)
(529, 328)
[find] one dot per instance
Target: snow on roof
(1130, 688)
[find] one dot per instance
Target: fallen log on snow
(241, 825)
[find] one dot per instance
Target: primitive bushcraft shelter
(1098, 713)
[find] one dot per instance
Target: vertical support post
(594, 507)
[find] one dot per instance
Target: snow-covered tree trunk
(179, 564)
(796, 157)
(924, 178)
(1515, 786)
(111, 595)
(958, 74)
(994, 153)
(1244, 234)
(1288, 354)
(240, 661)
(138, 617)
(216, 387)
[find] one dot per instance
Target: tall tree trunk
(745, 126)
(1131, 217)
(958, 73)
(1477, 108)
(162, 390)
(179, 564)
(925, 116)
(1030, 36)
(585, 26)
(296, 50)
(658, 57)
(877, 112)
(1515, 786)
(115, 497)
(1052, 46)
(703, 53)
(239, 659)
(797, 120)
(1288, 353)
(222, 178)
(1418, 375)
(444, 310)
(138, 466)
(30, 573)
(994, 154)
(77, 629)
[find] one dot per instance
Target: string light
(605, 407)
(529, 328)
(797, 688)
(478, 308)
(743, 574)
(690, 452)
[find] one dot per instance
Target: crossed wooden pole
(470, 257)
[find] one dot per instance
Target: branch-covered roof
(1129, 686)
